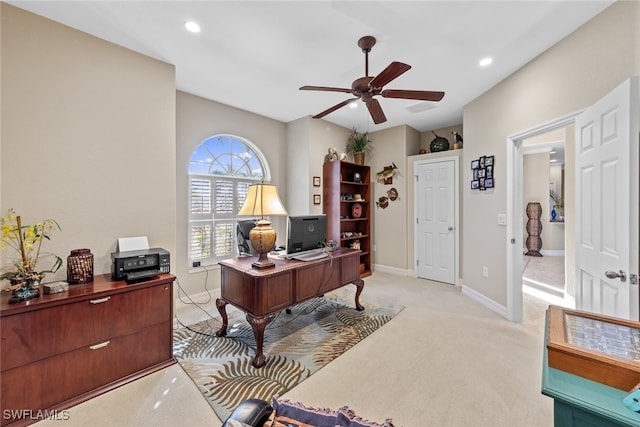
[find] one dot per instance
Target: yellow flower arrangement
(26, 240)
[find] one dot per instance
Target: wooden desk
(261, 294)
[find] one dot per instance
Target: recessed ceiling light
(192, 26)
(485, 62)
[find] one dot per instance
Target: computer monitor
(306, 232)
(243, 229)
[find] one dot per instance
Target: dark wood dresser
(62, 349)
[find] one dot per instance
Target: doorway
(606, 222)
(436, 219)
(515, 211)
(548, 181)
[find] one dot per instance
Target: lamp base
(263, 239)
(262, 262)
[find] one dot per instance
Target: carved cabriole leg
(222, 309)
(360, 286)
(258, 324)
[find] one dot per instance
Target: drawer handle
(97, 346)
(100, 300)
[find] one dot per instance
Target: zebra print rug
(295, 346)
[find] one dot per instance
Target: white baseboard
(391, 270)
(556, 252)
(487, 302)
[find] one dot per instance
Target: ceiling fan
(367, 87)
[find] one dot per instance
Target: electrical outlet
(196, 263)
(502, 219)
(485, 271)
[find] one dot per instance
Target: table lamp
(262, 200)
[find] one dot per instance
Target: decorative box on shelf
(597, 347)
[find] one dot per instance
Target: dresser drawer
(50, 381)
(39, 334)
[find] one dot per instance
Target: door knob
(450, 228)
(619, 275)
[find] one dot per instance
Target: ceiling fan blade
(393, 70)
(421, 95)
(326, 89)
(376, 111)
(334, 108)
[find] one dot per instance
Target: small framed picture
(488, 161)
(489, 171)
(316, 199)
(475, 164)
(316, 181)
(481, 173)
(482, 184)
(488, 183)
(482, 161)
(475, 184)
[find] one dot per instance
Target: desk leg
(258, 324)
(222, 309)
(360, 286)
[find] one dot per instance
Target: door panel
(435, 221)
(607, 202)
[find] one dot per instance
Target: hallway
(544, 278)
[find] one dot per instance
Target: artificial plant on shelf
(24, 275)
(358, 145)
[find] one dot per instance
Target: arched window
(221, 169)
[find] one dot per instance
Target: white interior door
(607, 204)
(436, 220)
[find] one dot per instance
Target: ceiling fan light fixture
(367, 87)
(353, 104)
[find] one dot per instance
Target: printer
(143, 264)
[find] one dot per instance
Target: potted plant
(24, 275)
(358, 144)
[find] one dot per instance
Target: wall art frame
(482, 173)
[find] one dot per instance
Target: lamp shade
(262, 200)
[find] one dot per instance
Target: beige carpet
(296, 345)
(444, 361)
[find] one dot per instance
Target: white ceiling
(254, 55)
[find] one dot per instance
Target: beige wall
(570, 76)
(197, 119)
(69, 149)
(389, 227)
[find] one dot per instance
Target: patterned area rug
(296, 345)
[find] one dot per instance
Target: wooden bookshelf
(339, 193)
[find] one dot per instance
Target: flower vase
(25, 288)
